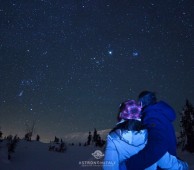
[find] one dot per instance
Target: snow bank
(36, 156)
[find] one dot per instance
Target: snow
(36, 156)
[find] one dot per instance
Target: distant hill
(82, 136)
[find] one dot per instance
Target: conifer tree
(186, 138)
(1, 135)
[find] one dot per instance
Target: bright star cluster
(69, 64)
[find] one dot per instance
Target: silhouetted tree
(28, 136)
(63, 146)
(11, 145)
(56, 140)
(37, 138)
(57, 146)
(30, 127)
(89, 138)
(1, 135)
(95, 135)
(51, 146)
(186, 138)
(9, 137)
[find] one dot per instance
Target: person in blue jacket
(157, 118)
(129, 137)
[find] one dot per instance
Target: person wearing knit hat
(129, 137)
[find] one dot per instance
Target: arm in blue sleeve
(156, 146)
(171, 162)
(111, 155)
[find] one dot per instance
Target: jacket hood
(164, 109)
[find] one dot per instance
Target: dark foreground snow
(35, 156)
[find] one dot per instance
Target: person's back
(163, 116)
(157, 119)
(122, 143)
(127, 138)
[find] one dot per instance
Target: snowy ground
(35, 156)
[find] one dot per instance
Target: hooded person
(157, 118)
(129, 137)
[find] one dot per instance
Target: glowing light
(21, 93)
(135, 54)
(110, 52)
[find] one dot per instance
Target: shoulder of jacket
(113, 135)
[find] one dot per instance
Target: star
(21, 93)
(135, 54)
(110, 52)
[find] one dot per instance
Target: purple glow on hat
(130, 110)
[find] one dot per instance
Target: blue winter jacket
(157, 119)
(122, 144)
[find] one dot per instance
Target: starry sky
(69, 64)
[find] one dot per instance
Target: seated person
(129, 137)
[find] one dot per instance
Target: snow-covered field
(36, 156)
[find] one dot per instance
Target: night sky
(69, 64)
